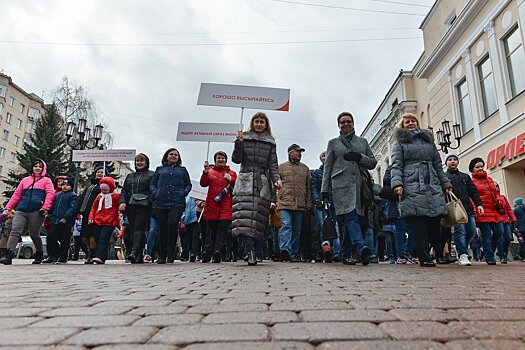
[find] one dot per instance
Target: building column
(521, 15)
(473, 93)
(497, 74)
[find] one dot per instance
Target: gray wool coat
(342, 178)
(253, 189)
(417, 167)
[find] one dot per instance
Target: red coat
(509, 214)
(487, 193)
(215, 181)
(106, 216)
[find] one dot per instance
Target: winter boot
(252, 259)
(39, 257)
(137, 252)
(3, 252)
(8, 258)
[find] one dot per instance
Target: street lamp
(79, 137)
(443, 136)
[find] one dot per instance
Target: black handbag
(139, 199)
(329, 230)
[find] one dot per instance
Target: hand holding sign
(240, 138)
(206, 166)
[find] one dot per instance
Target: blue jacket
(190, 213)
(316, 180)
(519, 212)
(169, 186)
(65, 207)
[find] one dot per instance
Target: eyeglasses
(346, 122)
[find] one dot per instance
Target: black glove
(353, 156)
(319, 205)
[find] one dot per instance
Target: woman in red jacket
(220, 180)
(508, 217)
(490, 222)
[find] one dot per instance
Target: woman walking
(220, 180)
(255, 151)
(169, 186)
(509, 220)
(135, 202)
(418, 178)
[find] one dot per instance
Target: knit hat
(323, 153)
(451, 155)
(101, 167)
(473, 163)
(221, 153)
(518, 201)
(70, 181)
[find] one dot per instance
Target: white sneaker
(463, 260)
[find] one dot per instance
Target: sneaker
(401, 260)
(410, 259)
(147, 258)
(61, 261)
(97, 261)
(503, 261)
(392, 260)
(463, 260)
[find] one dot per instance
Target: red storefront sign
(513, 148)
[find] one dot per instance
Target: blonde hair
(399, 124)
(262, 116)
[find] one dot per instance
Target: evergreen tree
(47, 143)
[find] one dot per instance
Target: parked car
(26, 248)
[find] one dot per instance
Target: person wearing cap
(32, 200)
(255, 151)
(292, 200)
(346, 157)
(86, 202)
(63, 215)
(519, 212)
(489, 222)
(466, 191)
(420, 182)
(220, 180)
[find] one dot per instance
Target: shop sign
(515, 147)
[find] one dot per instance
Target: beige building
(123, 169)
(475, 72)
(18, 111)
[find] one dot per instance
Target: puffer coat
(169, 186)
(295, 194)
(215, 181)
(488, 194)
(417, 167)
(253, 190)
(137, 183)
(342, 178)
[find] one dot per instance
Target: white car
(26, 248)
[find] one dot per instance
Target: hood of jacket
(44, 168)
(108, 181)
(146, 164)
(405, 136)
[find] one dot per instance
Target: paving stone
(514, 314)
(112, 335)
(429, 303)
(376, 304)
(312, 305)
(317, 332)
(209, 309)
(21, 312)
(18, 322)
(133, 303)
(199, 333)
(253, 300)
(195, 302)
(168, 320)
(251, 346)
(47, 336)
(265, 317)
(500, 344)
(41, 347)
(87, 321)
(425, 315)
(382, 345)
(137, 347)
(86, 311)
(491, 329)
(422, 330)
(346, 315)
(158, 310)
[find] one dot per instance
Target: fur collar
(264, 136)
(404, 136)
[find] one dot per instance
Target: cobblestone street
(272, 306)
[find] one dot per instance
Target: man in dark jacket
(519, 212)
(465, 190)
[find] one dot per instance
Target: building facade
(18, 112)
(475, 73)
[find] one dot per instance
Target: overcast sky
(143, 62)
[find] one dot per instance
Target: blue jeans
(490, 234)
(504, 241)
(152, 236)
(389, 245)
(320, 215)
(290, 232)
(371, 241)
(463, 235)
(404, 245)
(352, 235)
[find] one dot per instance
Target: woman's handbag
(139, 199)
(498, 203)
(456, 213)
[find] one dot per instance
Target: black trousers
(169, 229)
(191, 240)
(426, 231)
(79, 245)
(216, 236)
(58, 239)
(138, 218)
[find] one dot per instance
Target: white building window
(1, 107)
(2, 152)
(488, 90)
(19, 123)
(3, 90)
(33, 112)
(464, 107)
(11, 101)
(5, 135)
(29, 127)
(8, 118)
(13, 157)
(16, 140)
(22, 108)
(515, 59)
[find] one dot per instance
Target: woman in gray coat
(418, 178)
(255, 151)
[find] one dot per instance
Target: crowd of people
(280, 211)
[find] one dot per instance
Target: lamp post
(443, 136)
(79, 137)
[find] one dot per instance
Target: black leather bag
(139, 199)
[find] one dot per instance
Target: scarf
(415, 132)
(105, 200)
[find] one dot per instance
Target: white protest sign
(197, 191)
(207, 132)
(103, 155)
(241, 96)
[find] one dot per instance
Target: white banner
(103, 155)
(241, 96)
(207, 132)
(197, 191)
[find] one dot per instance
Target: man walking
(293, 201)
